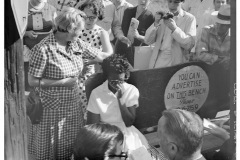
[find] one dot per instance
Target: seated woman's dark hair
(96, 141)
(95, 6)
(116, 64)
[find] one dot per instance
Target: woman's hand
(136, 34)
(119, 88)
(30, 34)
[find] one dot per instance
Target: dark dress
(146, 19)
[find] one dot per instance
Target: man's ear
(172, 149)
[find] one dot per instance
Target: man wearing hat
(214, 44)
(213, 48)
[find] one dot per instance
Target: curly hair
(95, 6)
(96, 141)
(116, 64)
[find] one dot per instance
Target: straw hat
(223, 16)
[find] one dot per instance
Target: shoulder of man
(188, 15)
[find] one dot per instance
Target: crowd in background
(67, 41)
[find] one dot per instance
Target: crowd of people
(64, 46)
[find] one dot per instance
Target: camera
(168, 15)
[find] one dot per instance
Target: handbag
(34, 106)
(142, 57)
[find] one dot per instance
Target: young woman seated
(115, 102)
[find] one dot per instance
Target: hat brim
(217, 20)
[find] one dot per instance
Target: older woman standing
(55, 64)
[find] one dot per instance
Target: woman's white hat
(223, 16)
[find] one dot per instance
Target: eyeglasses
(91, 18)
(122, 155)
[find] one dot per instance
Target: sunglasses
(122, 155)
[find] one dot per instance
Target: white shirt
(169, 49)
(102, 101)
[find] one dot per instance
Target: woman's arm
(92, 118)
(66, 82)
(128, 113)
(138, 36)
(89, 52)
(106, 45)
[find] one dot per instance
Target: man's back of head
(181, 134)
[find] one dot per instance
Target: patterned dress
(91, 36)
(62, 118)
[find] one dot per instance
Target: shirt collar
(105, 86)
(180, 14)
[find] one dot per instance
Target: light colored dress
(102, 101)
(91, 36)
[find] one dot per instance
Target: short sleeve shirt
(102, 101)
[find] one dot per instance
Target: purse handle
(40, 86)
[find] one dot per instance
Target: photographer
(173, 35)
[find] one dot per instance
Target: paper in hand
(133, 25)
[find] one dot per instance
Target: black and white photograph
(119, 80)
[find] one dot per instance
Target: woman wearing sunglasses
(97, 37)
(99, 141)
(115, 102)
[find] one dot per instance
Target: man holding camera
(173, 34)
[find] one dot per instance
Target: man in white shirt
(121, 5)
(173, 37)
